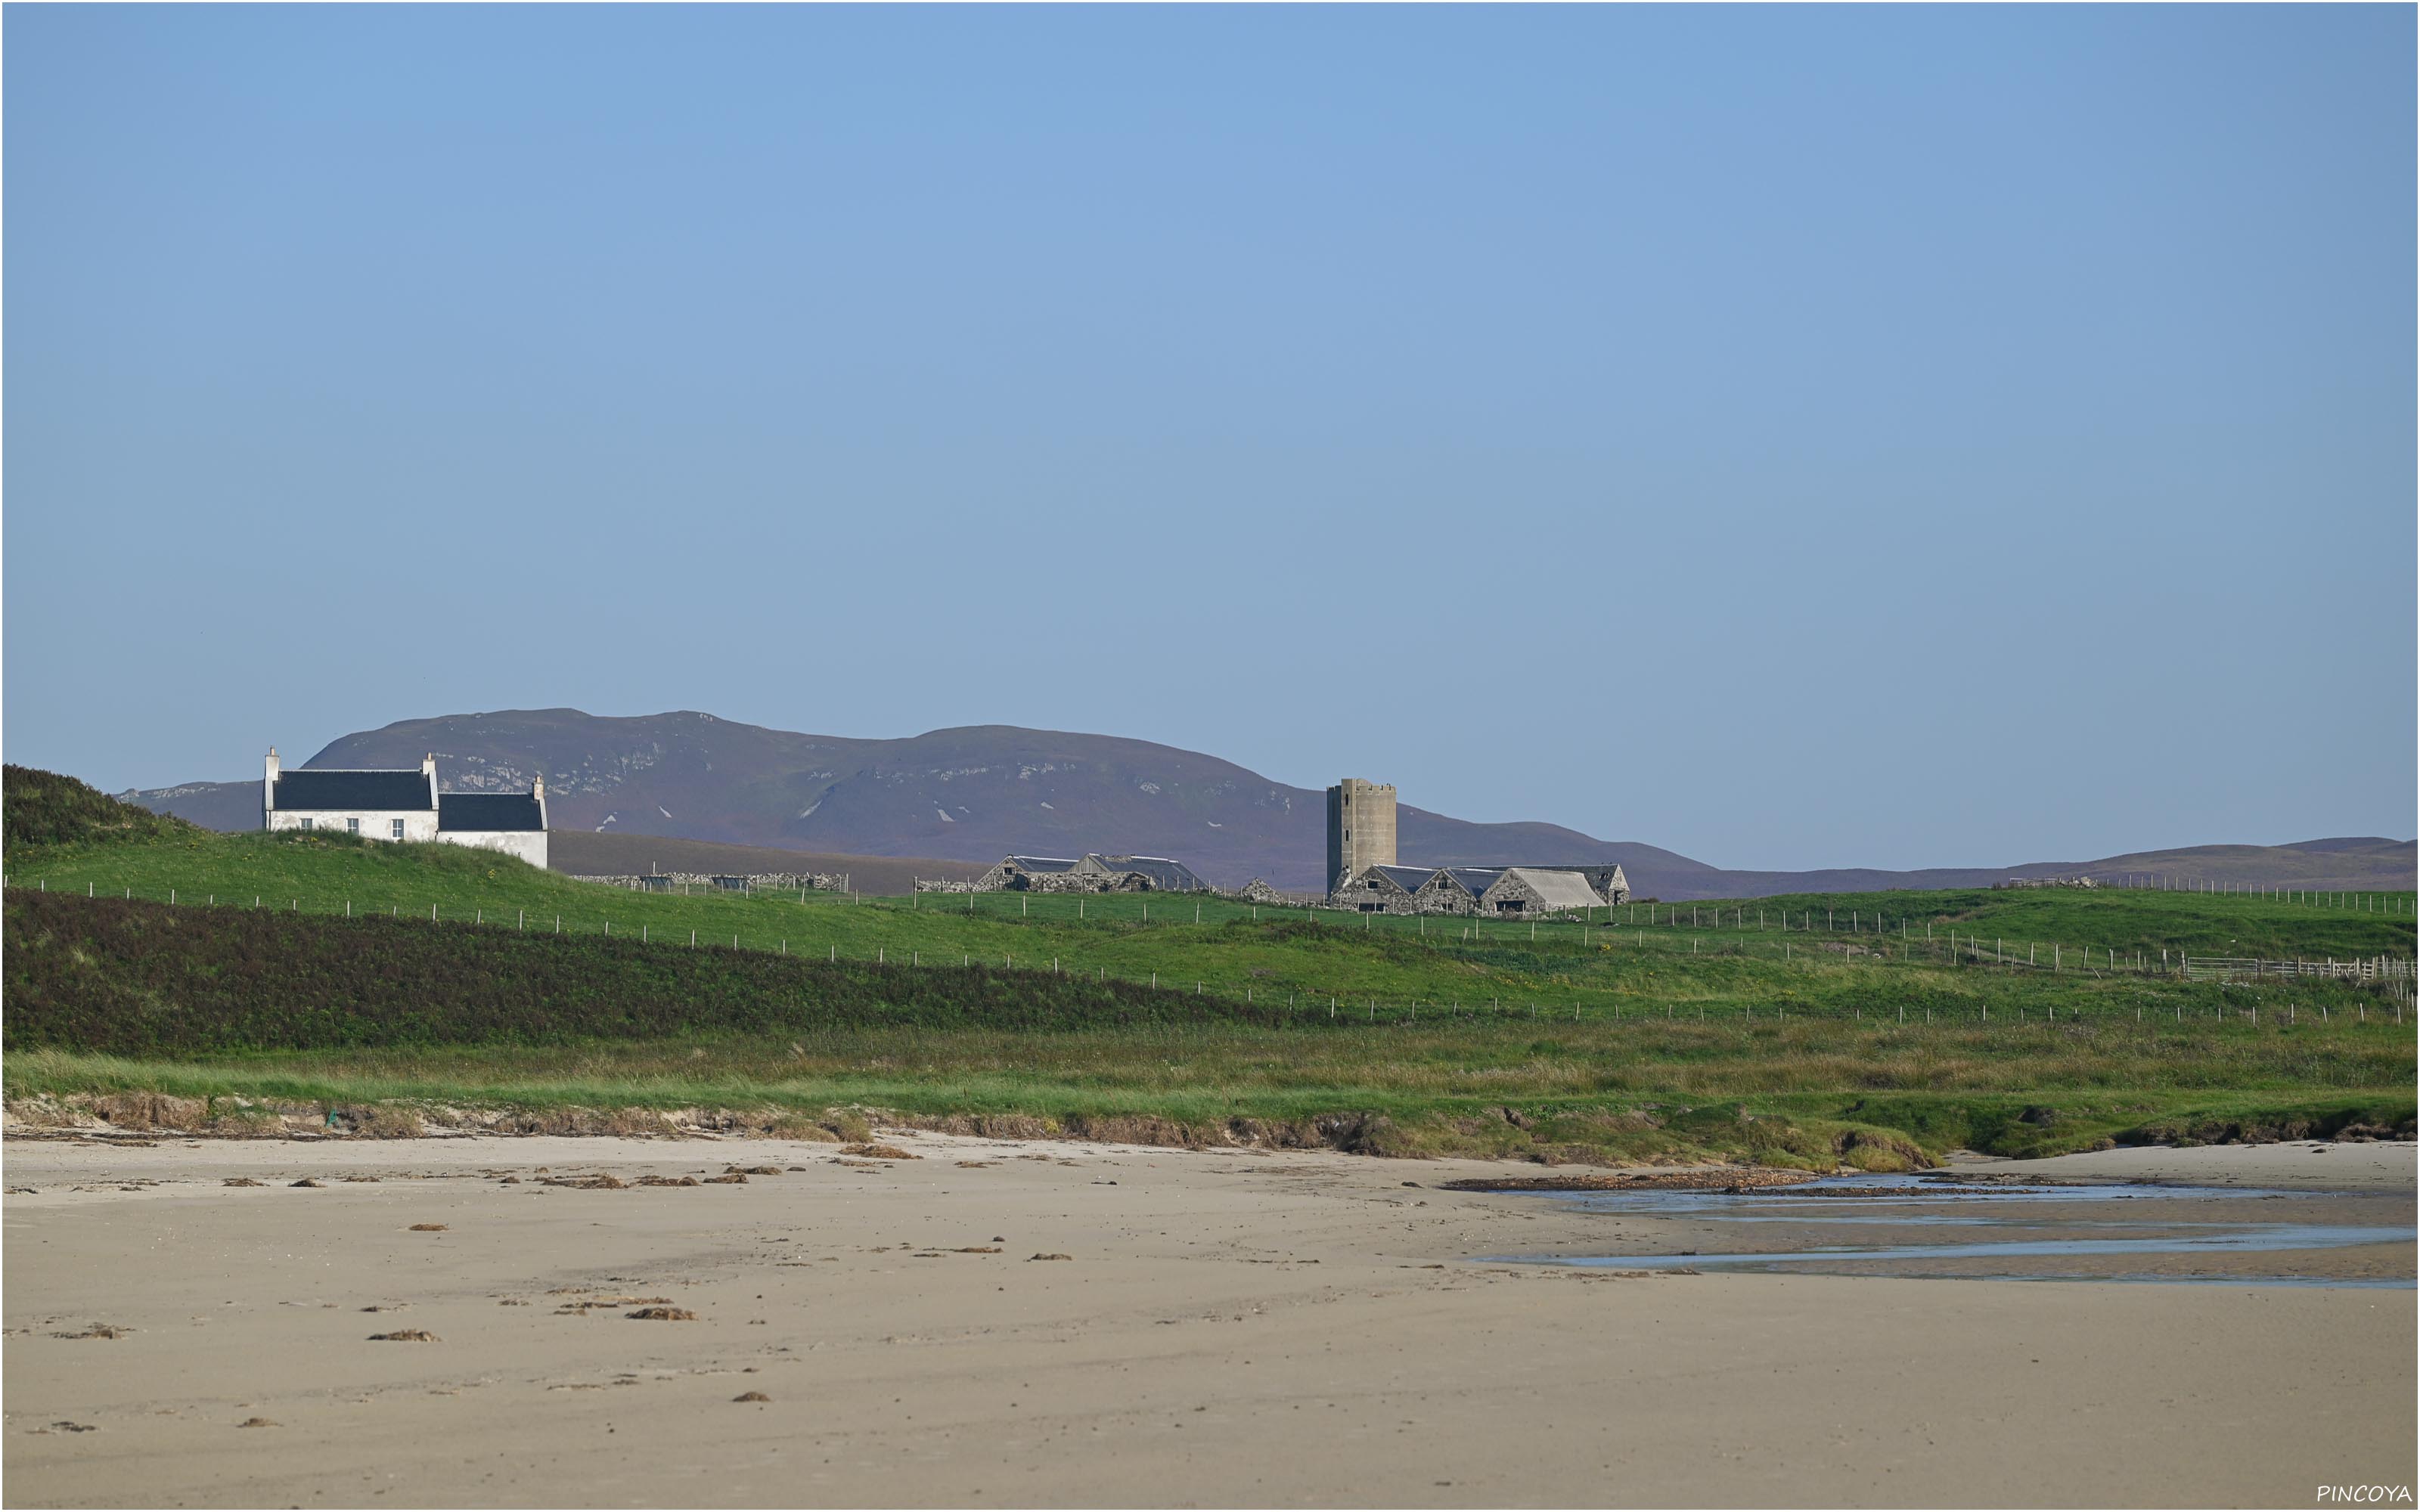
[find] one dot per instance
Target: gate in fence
(2230, 968)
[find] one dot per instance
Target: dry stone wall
(704, 880)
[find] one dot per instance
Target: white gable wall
(528, 844)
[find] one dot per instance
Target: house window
(307, 824)
(352, 826)
(398, 828)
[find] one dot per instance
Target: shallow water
(2181, 1235)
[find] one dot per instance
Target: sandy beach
(1069, 1324)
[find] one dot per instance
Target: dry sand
(1226, 1328)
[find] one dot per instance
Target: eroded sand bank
(1227, 1328)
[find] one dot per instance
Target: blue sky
(1793, 435)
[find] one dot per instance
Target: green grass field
(1771, 949)
(1874, 1029)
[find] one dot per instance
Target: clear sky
(1793, 435)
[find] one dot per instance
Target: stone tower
(1360, 828)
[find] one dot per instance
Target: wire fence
(1870, 939)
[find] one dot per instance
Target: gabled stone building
(1365, 876)
(1090, 872)
(1383, 889)
(1530, 889)
(1523, 890)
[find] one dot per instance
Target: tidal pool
(2071, 1231)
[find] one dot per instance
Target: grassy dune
(1802, 1091)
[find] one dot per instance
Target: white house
(404, 804)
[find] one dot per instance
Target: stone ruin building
(1090, 872)
(1365, 876)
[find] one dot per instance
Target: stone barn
(1090, 872)
(1455, 890)
(1364, 873)
(1383, 889)
(1522, 890)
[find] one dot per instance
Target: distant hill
(978, 792)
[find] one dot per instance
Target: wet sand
(2304, 1164)
(1226, 1328)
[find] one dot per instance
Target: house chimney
(269, 788)
(537, 787)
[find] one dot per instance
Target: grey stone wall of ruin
(1005, 878)
(1258, 891)
(1087, 882)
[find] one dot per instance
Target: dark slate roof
(1042, 864)
(488, 810)
(1409, 878)
(321, 788)
(1165, 874)
(1477, 878)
